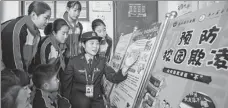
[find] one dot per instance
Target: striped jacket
(16, 52)
(74, 37)
(50, 52)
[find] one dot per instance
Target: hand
(131, 59)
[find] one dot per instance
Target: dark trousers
(79, 100)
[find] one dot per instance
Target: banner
(191, 70)
(125, 94)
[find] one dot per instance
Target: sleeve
(112, 76)
(66, 79)
(81, 29)
(109, 50)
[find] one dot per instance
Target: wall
(8, 12)
(107, 17)
(168, 6)
(125, 24)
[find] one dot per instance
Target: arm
(114, 77)
(66, 79)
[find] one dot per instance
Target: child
(71, 16)
(20, 36)
(52, 47)
(99, 27)
(46, 81)
(15, 91)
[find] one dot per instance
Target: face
(42, 20)
(101, 30)
(62, 34)
(23, 98)
(73, 12)
(53, 84)
(91, 47)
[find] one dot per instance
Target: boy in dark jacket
(46, 82)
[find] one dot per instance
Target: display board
(191, 70)
(124, 94)
(117, 58)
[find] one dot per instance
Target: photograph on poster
(197, 100)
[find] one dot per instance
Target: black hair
(97, 22)
(43, 73)
(71, 4)
(11, 83)
(55, 26)
(39, 7)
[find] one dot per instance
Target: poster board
(124, 94)
(117, 58)
(192, 66)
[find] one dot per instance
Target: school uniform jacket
(73, 38)
(106, 44)
(43, 100)
(51, 52)
(74, 78)
(16, 53)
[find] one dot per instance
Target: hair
(71, 4)
(11, 83)
(55, 26)
(97, 22)
(38, 7)
(43, 73)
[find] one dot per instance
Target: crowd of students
(62, 70)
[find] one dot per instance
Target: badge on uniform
(89, 91)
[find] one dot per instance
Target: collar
(31, 26)
(45, 95)
(83, 57)
(65, 16)
(62, 46)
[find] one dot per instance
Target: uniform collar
(82, 56)
(62, 46)
(45, 95)
(31, 26)
(65, 16)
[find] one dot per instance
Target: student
(46, 81)
(83, 75)
(71, 16)
(106, 43)
(20, 36)
(15, 89)
(52, 48)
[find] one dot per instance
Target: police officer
(83, 75)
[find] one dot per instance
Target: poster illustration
(117, 59)
(191, 69)
(125, 94)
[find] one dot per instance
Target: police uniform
(74, 37)
(17, 53)
(78, 75)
